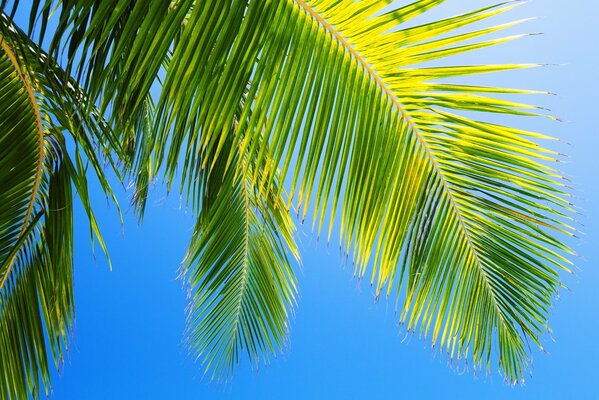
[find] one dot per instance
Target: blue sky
(129, 327)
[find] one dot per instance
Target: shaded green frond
(21, 161)
(40, 103)
(140, 155)
(36, 306)
(35, 245)
(242, 284)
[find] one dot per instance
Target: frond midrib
(414, 129)
(40, 160)
(246, 256)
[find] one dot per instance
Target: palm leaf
(243, 286)
(460, 217)
(36, 208)
(30, 287)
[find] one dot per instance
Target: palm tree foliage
(39, 104)
(338, 109)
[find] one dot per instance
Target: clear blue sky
(130, 322)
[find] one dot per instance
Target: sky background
(130, 321)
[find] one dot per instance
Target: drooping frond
(30, 290)
(242, 284)
(36, 208)
(458, 216)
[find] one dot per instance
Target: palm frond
(36, 208)
(242, 283)
(35, 286)
(460, 217)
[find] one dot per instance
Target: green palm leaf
(36, 253)
(461, 218)
(237, 265)
(36, 208)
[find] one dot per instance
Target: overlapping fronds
(459, 217)
(36, 208)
